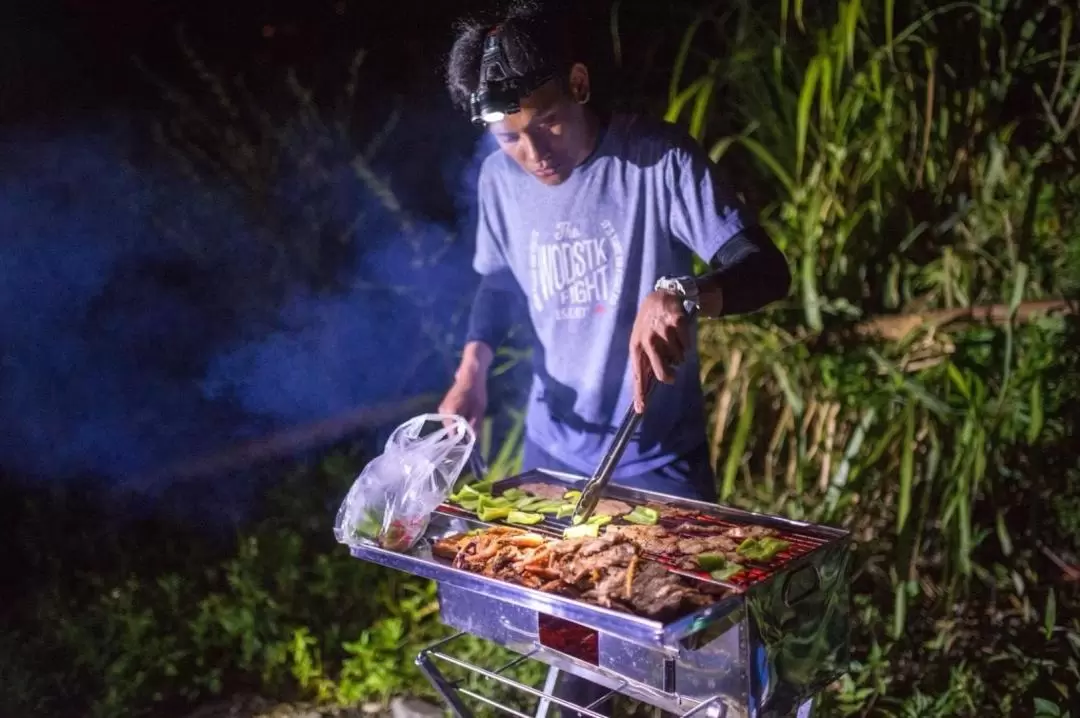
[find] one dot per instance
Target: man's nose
(536, 148)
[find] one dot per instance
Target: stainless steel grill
(772, 641)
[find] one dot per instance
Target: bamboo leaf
(890, 12)
(959, 381)
(1035, 411)
(738, 445)
(851, 23)
(720, 148)
(825, 86)
(899, 609)
(806, 103)
(680, 58)
(675, 107)
(907, 468)
(769, 161)
(1050, 614)
(701, 105)
(793, 399)
(1003, 534)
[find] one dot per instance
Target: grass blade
(907, 468)
(1035, 411)
(767, 159)
(806, 104)
(738, 445)
(1050, 615)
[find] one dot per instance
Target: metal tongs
(594, 488)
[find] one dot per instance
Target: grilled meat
(650, 539)
(544, 491)
(611, 507)
(608, 571)
(684, 542)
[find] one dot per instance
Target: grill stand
(451, 692)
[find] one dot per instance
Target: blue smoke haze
(144, 319)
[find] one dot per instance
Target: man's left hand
(658, 342)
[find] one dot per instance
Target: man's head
(522, 78)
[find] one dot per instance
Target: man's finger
(658, 363)
(676, 348)
(635, 377)
(667, 355)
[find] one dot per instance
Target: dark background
(168, 296)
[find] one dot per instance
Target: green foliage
(902, 177)
(282, 608)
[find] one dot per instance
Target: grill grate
(753, 571)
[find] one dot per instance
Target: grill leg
(443, 686)
(549, 688)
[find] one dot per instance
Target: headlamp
(499, 94)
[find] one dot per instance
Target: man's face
(549, 136)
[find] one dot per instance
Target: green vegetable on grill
(521, 517)
(724, 574)
(762, 549)
(718, 566)
(566, 511)
(513, 494)
(642, 515)
(469, 504)
(582, 531)
(598, 520)
(572, 495)
(494, 502)
(482, 487)
(527, 503)
(494, 513)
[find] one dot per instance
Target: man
(581, 213)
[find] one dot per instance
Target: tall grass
(914, 158)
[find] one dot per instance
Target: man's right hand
(467, 397)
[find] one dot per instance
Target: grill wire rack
(547, 702)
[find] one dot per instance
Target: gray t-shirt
(586, 253)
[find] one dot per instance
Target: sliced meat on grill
(608, 571)
(700, 529)
(650, 539)
(611, 507)
(670, 512)
(744, 532)
(653, 591)
(694, 545)
(544, 491)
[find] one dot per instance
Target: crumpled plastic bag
(392, 499)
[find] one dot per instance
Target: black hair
(535, 37)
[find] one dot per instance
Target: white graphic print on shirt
(581, 275)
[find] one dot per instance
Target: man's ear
(579, 83)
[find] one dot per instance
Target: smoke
(146, 317)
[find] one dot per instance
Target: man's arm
(490, 321)
(748, 272)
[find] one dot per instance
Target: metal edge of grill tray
(757, 652)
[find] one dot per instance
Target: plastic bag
(392, 499)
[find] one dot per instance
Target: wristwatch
(686, 287)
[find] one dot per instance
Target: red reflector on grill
(567, 637)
